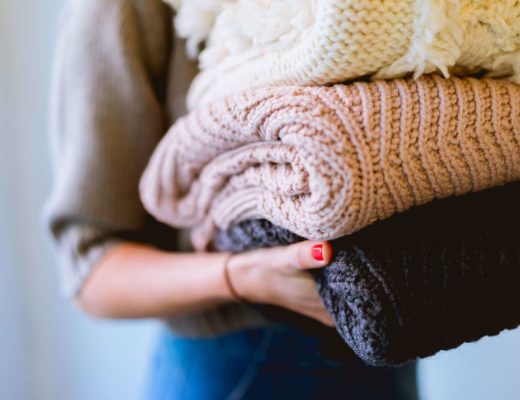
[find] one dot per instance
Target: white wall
(486, 370)
(48, 351)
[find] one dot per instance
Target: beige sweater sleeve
(107, 115)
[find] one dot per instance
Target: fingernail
(317, 252)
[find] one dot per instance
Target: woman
(119, 82)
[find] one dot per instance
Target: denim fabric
(273, 362)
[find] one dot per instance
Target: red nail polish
(317, 252)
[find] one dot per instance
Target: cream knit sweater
(324, 162)
(258, 43)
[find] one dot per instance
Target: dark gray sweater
(426, 280)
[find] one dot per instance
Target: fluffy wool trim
(315, 42)
(474, 35)
(195, 19)
(233, 26)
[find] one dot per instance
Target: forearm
(134, 280)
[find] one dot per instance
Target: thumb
(309, 254)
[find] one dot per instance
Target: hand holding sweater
(423, 281)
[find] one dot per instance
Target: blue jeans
(274, 362)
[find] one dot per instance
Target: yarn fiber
(251, 44)
(430, 279)
(324, 162)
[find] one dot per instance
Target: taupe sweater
(119, 82)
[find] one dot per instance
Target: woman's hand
(279, 276)
(134, 280)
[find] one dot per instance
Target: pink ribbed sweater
(324, 162)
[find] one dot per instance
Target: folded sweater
(324, 162)
(422, 281)
(251, 44)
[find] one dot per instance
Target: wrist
(232, 291)
(244, 278)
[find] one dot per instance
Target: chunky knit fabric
(426, 280)
(253, 44)
(327, 162)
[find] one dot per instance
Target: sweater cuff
(79, 248)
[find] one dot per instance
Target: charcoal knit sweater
(425, 280)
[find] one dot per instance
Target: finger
(313, 309)
(308, 254)
(326, 318)
(320, 316)
(327, 321)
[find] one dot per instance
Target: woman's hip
(274, 361)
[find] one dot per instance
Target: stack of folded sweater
(380, 166)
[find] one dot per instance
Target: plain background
(48, 350)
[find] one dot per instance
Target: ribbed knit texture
(423, 281)
(327, 162)
(251, 44)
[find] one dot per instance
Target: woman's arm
(134, 280)
(107, 116)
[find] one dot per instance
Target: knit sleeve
(106, 117)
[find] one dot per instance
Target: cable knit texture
(449, 276)
(326, 162)
(251, 44)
